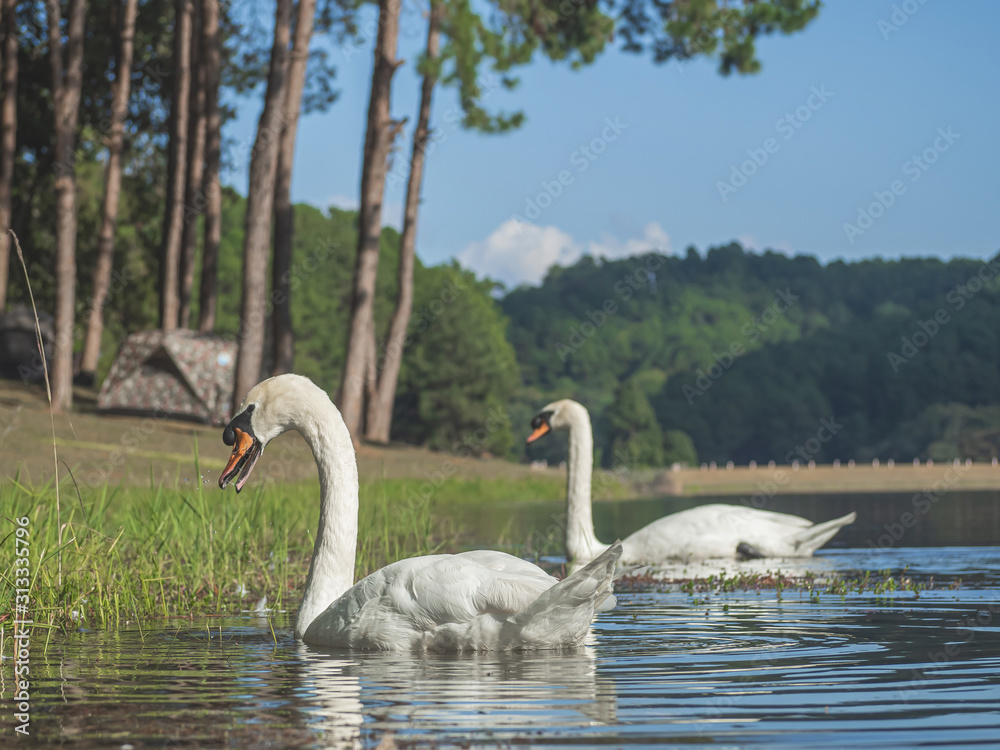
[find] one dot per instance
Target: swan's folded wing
(719, 519)
(440, 597)
(458, 588)
(504, 563)
(768, 516)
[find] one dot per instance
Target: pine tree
(260, 204)
(283, 212)
(636, 437)
(112, 191)
(66, 91)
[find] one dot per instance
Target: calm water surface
(954, 518)
(665, 668)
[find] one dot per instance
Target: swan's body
(729, 531)
(705, 532)
(480, 601)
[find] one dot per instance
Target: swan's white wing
(769, 517)
(711, 531)
(718, 516)
(502, 562)
(458, 588)
(436, 602)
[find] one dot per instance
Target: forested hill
(761, 357)
(726, 356)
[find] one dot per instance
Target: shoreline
(132, 450)
(825, 479)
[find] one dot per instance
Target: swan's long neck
(581, 541)
(332, 570)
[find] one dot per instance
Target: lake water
(741, 669)
(949, 519)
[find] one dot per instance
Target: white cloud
(520, 252)
(653, 238)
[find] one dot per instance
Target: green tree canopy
(750, 355)
(682, 29)
(635, 435)
(459, 370)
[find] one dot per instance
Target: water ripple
(740, 669)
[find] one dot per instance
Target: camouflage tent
(19, 357)
(176, 373)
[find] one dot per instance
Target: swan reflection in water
(349, 695)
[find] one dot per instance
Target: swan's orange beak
(539, 431)
(246, 451)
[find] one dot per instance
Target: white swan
(705, 532)
(481, 601)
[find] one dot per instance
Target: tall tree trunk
(379, 420)
(260, 204)
(173, 219)
(211, 63)
(371, 368)
(283, 212)
(112, 190)
(378, 142)
(8, 137)
(193, 199)
(66, 96)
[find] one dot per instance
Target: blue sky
(857, 109)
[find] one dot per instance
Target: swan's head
(272, 407)
(559, 415)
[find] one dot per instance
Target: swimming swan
(705, 532)
(475, 601)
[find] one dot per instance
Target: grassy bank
(128, 450)
(131, 554)
(121, 449)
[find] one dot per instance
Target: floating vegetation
(880, 583)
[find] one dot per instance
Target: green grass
(486, 490)
(133, 555)
(130, 555)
